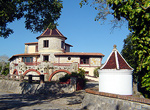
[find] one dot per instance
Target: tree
(38, 14)
(137, 14)
(4, 64)
(128, 53)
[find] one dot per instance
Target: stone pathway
(57, 101)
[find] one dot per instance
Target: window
(62, 44)
(36, 48)
(69, 58)
(67, 49)
(84, 60)
(45, 58)
(27, 59)
(46, 43)
(86, 72)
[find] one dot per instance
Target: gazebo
(115, 76)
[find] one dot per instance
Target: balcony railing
(62, 64)
(31, 63)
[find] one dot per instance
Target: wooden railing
(22, 78)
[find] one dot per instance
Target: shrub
(96, 74)
(64, 78)
(80, 75)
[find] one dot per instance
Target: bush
(80, 75)
(5, 70)
(96, 74)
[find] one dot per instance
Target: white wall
(115, 81)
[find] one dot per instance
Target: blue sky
(78, 25)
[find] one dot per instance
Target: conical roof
(116, 61)
(52, 33)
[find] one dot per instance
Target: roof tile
(111, 64)
(25, 54)
(116, 61)
(52, 33)
(79, 54)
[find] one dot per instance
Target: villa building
(51, 55)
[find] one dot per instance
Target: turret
(51, 40)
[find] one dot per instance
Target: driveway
(59, 101)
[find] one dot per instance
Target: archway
(31, 70)
(15, 72)
(55, 72)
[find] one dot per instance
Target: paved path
(41, 102)
(59, 101)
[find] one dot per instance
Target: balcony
(32, 64)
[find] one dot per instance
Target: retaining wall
(43, 88)
(10, 86)
(95, 100)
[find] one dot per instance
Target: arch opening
(15, 72)
(30, 70)
(57, 72)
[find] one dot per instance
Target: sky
(75, 23)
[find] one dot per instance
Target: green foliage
(0, 68)
(146, 81)
(4, 65)
(5, 70)
(137, 13)
(96, 74)
(65, 78)
(80, 74)
(38, 14)
(128, 53)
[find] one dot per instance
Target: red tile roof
(52, 33)
(111, 64)
(79, 54)
(116, 61)
(122, 63)
(25, 54)
(31, 43)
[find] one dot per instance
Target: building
(51, 55)
(115, 76)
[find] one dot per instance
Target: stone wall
(66, 60)
(95, 61)
(42, 68)
(54, 44)
(10, 86)
(104, 101)
(43, 88)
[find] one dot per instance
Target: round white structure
(115, 81)
(115, 76)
